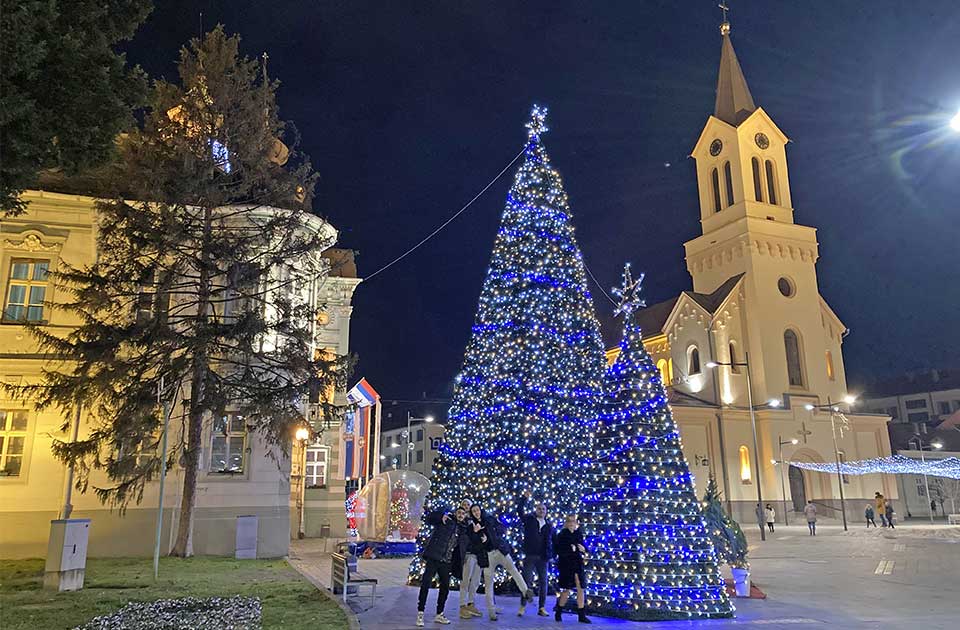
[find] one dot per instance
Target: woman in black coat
(570, 551)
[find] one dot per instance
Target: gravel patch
(188, 613)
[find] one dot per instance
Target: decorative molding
(32, 243)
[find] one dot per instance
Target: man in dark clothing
(498, 555)
(445, 548)
(537, 549)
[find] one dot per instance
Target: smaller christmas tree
(728, 540)
(399, 510)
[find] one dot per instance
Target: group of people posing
(469, 543)
(884, 511)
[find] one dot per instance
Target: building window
(771, 183)
(693, 361)
(151, 301)
(13, 438)
(921, 416)
(715, 181)
(791, 344)
(670, 371)
(419, 456)
(944, 407)
(317, 460)
(744, 465)
(757, 185)
(921, 490)
(786, 288)
(26, 290)
(830, 373)
(917, 403)
(733, 358)
(662, 367)
(228, 446)
(728, 182)
(419, 435)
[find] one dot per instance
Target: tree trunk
(198, 407)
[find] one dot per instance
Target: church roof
(734, 102)
(653, 318)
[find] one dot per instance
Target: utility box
(67, 554)
(246, 538)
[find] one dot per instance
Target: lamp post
(753, 427)
(783, 486)
(930, 446)
(834, 410)
(302, 436)
(410, 421)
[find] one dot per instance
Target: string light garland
(651, 555)
(892, 465)
(524, 404)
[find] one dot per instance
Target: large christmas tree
(525, 401)
(650, 555)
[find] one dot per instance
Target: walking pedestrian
(444, 548)
(570, 552)
(537, 549)
(771, 517)
(888, 512)
(880, 502)
(933, 506)
(475, 560)
(810, 511)
(498, 555)
(868, 514)
(760, 517)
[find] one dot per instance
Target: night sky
(409, 108)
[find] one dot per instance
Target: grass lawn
(289, 601)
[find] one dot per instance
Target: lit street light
(955, 122)
(834, 410)
(933, 445)
(410, 421)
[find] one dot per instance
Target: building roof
(652, 318)
(936, 380)
(712, 301)
(734, 103)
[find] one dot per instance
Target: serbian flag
(362, 394)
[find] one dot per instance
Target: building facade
(241, 474)
(928, 397)
(755, 305)
(417, 453)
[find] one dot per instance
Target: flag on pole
(362, 394)
(355, 432)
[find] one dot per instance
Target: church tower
(746, 217)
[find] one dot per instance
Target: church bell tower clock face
(716, 147)
(762, 140)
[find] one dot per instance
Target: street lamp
(834, 410)
(410, 421)
(955, 122)
(302, 435)
(753, 426)
(933, 445)
(783, 486)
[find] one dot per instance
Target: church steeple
(734, 102)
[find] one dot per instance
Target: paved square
(905, 578)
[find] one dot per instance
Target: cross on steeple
(725, 25)
(629, 294)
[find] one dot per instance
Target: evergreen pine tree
(650, 555)
(728, 539)
(207, 257)
(524, 402)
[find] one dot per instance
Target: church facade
(755, 305)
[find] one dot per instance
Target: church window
(757, 185)
(830, 373)
(662, 367)
(733, 358)
(786, 287)
(670, 370)
(791, 344)
(728, 182)
(693, 361)
(745, 475)
(771, 183)
(715, 180)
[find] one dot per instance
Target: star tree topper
(629, 294)
(538, 122)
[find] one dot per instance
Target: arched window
(715, 180)
(745, 475)
(830, 373)
(664, 375)
(733, 358)
(771, 183)
(693, 361)
(791, 345)
(728, 182)
(670, 370)
(757, 185)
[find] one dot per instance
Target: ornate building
(755, 300)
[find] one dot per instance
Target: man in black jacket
(537, 549)
(444, 548)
